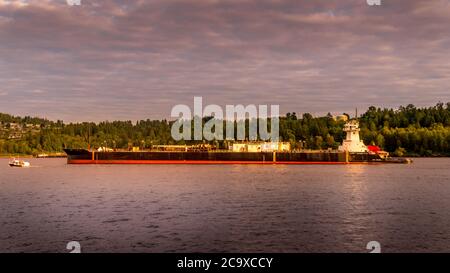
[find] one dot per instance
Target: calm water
(179, 208)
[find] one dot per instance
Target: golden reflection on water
(253, 208)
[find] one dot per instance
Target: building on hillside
(341, 118)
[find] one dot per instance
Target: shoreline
(15, 156)
(28, 156)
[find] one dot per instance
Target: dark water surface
(225, 208)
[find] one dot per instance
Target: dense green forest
(408, 131)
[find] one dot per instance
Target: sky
(135, 59)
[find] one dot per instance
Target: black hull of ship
(82, 156)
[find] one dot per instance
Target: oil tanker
(352, 151)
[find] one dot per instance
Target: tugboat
(19, 163)
(358, 151)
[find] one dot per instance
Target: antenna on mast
(356, 112)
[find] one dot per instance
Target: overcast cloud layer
(123, 59)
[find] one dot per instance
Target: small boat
(19, 163)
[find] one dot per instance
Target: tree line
(407, 130)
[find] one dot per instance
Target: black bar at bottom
(264, 262)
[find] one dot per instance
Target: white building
(239, 147)
(254, 147)
(262, 147)
(275, 147)
(352, 142)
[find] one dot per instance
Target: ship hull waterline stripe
(211, 162)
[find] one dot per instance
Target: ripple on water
(183, 208)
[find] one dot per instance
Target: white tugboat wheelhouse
(352, 142)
